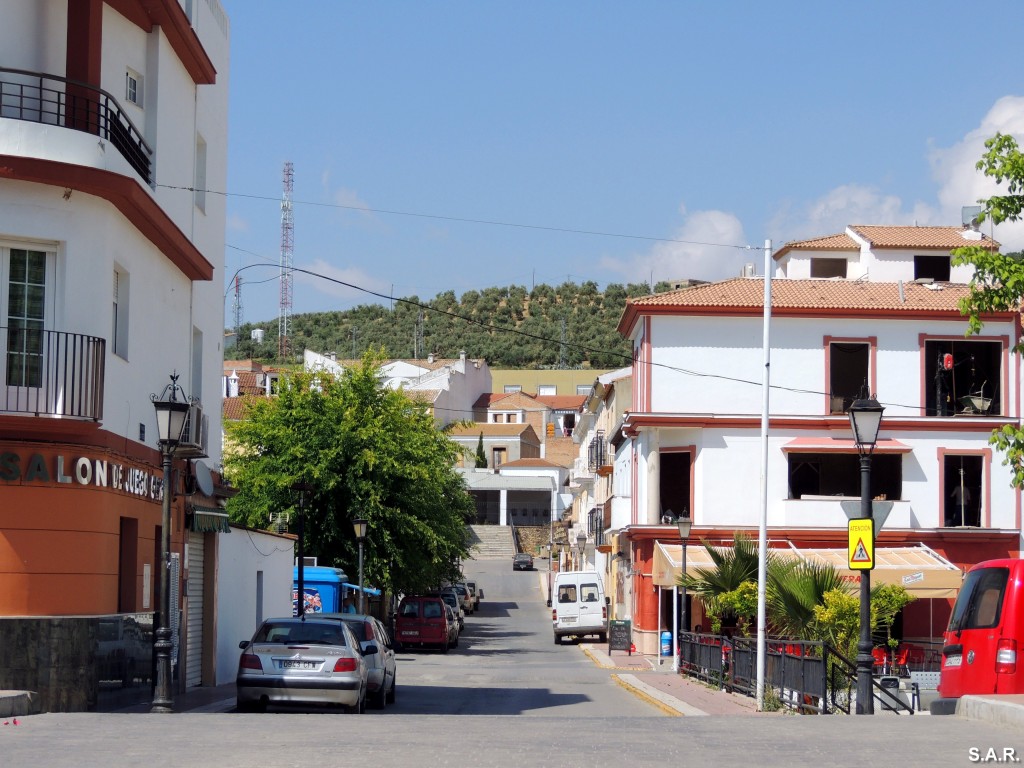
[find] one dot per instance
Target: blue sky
(676, 130)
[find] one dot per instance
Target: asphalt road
(521, 701)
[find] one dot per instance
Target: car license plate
(410, 632)
(569, 620)
(953, 660)
(296, 664)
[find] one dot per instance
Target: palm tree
(733, 566)
(794, 589)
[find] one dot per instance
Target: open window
(962, 480)
(838, 474)
(931, 268)
(849, 371)
(962, 378)
(828, 267)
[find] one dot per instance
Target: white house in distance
(113, 124)
(871, 309)
(448, 386)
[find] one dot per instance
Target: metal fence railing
(52, 100)
(51, 373)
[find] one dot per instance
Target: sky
(456, 145)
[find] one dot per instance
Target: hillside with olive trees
(567, 326)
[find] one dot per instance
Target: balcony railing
(52, 100)
(51, 373)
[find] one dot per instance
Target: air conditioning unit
(195, 435)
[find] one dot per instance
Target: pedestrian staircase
(490, 542)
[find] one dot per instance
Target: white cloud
(699, 254)
(348, 198)
(960, 183)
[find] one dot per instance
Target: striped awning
(208, 520)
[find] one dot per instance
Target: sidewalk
(651, 677)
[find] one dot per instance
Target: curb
(1002, 711)
(670, 705)
(14, 703)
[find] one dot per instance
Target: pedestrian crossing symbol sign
(862, 544)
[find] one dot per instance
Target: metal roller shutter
(194, 648)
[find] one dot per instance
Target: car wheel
(603, 637)
(456, 643)
(558, 640)
(380, 698)
(444, 647)
(392, 692)
(360, 706)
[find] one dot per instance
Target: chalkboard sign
(620, 637)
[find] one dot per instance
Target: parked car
(454, 601)
(522, 561)
(453, 626)
(421, 621)
(984, 636)
(381, 675)
(302, 661)
(465, 596)
(478, 594)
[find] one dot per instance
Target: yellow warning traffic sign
(861, 544)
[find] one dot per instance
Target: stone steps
(490, 542)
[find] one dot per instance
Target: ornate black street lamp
(865, 420)
(171, 415)
(581, 543)
(359, 526)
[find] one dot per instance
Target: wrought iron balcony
(597, 452)
(51, 100)
(51, 373)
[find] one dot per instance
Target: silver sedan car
(302, 660)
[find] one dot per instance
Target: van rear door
(591, 606)
(969, 650)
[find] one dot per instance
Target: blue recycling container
(323, 589)
(666, 643)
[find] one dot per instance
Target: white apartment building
(870, 310)
(111, 280)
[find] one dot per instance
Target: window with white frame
(547, 390)
(25, 299)
(133, 87)
(119, 326)
(509, 389)
(838, 474)
(849, 373)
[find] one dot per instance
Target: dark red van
(422, 621)
(984, 637)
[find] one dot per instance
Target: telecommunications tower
(287, 252)
(236, 308)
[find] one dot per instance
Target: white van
(578, 606)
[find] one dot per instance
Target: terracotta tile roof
(250, 383)
(745, 296)
(488, 430)
(840, 242)
(488, 398)
(919, 237)
(562, 402)
(233, 408)
(422, 395)
(930, 238)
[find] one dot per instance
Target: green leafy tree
(795, 589)
(887, 600)
(364, 451)
(998, 281)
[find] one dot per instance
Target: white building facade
(113, 124)
(881, 319)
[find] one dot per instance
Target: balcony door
(26, 310)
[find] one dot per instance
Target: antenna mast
(287, 252)
(236, 307)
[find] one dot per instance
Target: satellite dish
(203, 478)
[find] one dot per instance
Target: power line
(583, 347)
(466, 220)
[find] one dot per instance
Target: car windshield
(410, 610)
(301, 633)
